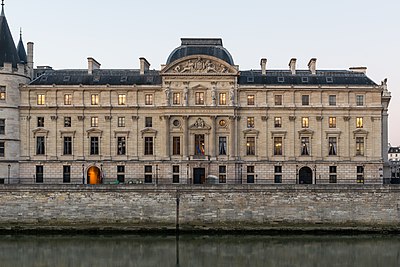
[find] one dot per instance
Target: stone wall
(217, 207)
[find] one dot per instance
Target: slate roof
(394, 150)
(21, 51)
(201, 46)
(8, 52)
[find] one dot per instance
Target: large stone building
(196, 119)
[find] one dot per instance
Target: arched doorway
(305, 176)
(94, 175)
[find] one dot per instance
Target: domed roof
(201, 46)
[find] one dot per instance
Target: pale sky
(340, 34)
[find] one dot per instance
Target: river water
(200, 250)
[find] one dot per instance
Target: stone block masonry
(203, 207)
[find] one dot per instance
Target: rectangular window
(359, 146)
(304, 122)
(278, 100)
(148, 145)
(278, 174)
(121, 145)
(359, 100)
(94, 145)
(278, 146)
(41, 99)
(222, 99)
(40, 121)
(148, 174)
(250, 100)
(222, 147)
(278, 122)
(2, 126)
(67, 99)
(176, 98)
(121, 173)
(359, 122)
(332, 174)
(305, 146)
(222, 174)
(121, 121)
(67, 145)
(2, 149)
(94, 121)
(332, 122)
(2, 93)
(332, 100)
(95, 99)
(250, 174)
(199, 145)
(66, 174)
(360, 174)
(250, 122)
(67, 122)
(148, 99)
(40, 145)
(199, 98)
(176, 145)
(305, 100)
(148, 122)
(332, 146)
(122, 99)
(39, 174)
(175, 174)
(251, 146)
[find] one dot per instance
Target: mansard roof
(8, 52)
(201, 46)
(394, 150)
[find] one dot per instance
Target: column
(185, 137)
(167, 137)
(232, 139)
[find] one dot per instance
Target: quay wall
(199, 207)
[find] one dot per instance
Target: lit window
(359, 122)
(332, 146)
(176, 98)
(121, 121)
(122, 99)
(2, 93)
(199, 145)
(360, 146)
(305, 146)
(67, 122)
(222, 174)
(250, 122)
(278, 146)
(332, 122)
(95, 99)
(94, 145)
(67, 99)
(94, 121)
(199, 98)
(148, 99)
(278, 100)
(304, 122)
(250, 100)
(360, 100)
(222, 99)
(121, 146)
(148, 145)
(332, 100)
(41, 99)
(251, 146)
(360, 174)
(305, 100)
(278, 122)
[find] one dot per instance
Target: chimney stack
(292, 65)
(359, 69)
(30, 59)
(263, 64)
(312, 66)
(92, 65)
(144, 65)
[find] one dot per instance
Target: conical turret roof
(8, 52)
(21, 50)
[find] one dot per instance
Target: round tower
(13, 73)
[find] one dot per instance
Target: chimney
(144, 65)
(92, 65)
(263, 64)
(359, 69)
(30, 59)
(292, 65)
(312, 66)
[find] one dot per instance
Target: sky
(340, 34)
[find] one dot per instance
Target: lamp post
(8, 174)
(315, 173)
(101, 173)
(83, 173)
(241, 174)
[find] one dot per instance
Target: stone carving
(200, 66)
(199, 123)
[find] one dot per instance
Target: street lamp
(241, 173)
(83, 173)
(101, 173)
(8, 175)
(315, 173)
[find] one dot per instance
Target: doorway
(305, 175)
(93, 175)
(199, 175)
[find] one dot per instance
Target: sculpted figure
(210, 66)
(189, 67)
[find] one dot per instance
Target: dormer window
(304, 79)
(66, 78)
(281, 79)
(329, 80)
(250, 79)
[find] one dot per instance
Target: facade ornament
(346, 118)
(292, 118)
(199, 123)
(185, 96)
(200, 65)
(319, 118)
(167, 92)
(53, 118)
(232, 95)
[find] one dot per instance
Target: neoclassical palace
(197, 119)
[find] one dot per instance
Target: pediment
(360, 132)
(305, 132)
(40, 131)
(94, 131)
(149, 130)
(199, 65)
(68, 133)
(251, 132)
(200, 125)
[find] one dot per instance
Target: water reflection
(195, 251)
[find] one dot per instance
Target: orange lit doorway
(93, 175)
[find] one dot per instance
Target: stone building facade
(197, 119)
